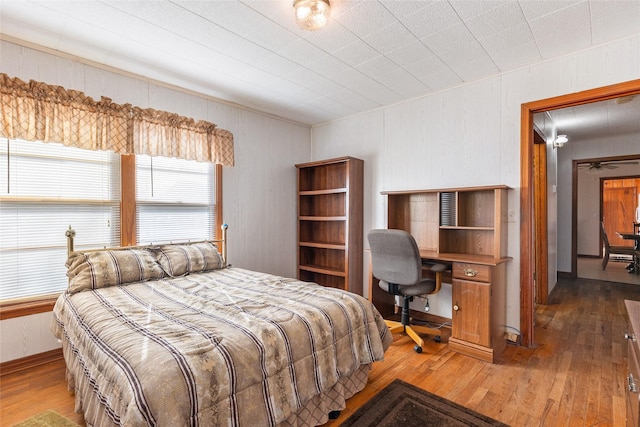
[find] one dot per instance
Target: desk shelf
(469, 220)
(322, 245)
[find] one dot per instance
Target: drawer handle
(629, 336)
(470, 272)
(632, 384)
(456, 308)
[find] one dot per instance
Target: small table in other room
(636, 246)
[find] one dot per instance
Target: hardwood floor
(575, 376)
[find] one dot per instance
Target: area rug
(47, 418)
(402, 404)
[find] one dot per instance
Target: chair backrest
(605, 239)
(395, 257)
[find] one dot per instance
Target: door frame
(528, 235)
(541, 279)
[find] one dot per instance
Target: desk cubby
(459, 221)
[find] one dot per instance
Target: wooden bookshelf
(330, 194)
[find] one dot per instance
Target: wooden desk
(478, 302)
(464, 227)
(385, 302)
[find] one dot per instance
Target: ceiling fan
(605, 165)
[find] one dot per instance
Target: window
(175, 200)
(47, 187)
(44, 189)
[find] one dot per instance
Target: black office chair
(395, 261)
(615, 250)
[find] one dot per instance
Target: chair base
(412, 331)
(622, 251)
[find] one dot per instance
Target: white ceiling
(604, 119)
(372, 53)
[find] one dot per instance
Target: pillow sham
(178, 260)
(100, 269)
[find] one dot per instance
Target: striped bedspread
(230, 347)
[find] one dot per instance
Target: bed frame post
(70, 233)
(224, 244)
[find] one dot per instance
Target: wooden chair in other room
(613, 250)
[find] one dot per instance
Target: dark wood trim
(9, 311)
(600, 218)
(128, 200)
(29, 362)
(631, 87)
(218, 214)
(564, 275)
(527, 251)
(574, 220)
(527, 255)
(540, 224)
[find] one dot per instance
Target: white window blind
(45, 188)
(175, 200)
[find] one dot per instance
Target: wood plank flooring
(575, 376)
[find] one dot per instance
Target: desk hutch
(465, 227)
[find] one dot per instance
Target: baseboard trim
(28, 362)
(552, 294)
(564, 274)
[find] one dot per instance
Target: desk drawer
(476, 272)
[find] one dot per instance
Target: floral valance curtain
(37, 111)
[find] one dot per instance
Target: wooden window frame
(45, 303)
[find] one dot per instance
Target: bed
(171, 335)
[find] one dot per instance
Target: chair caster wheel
(417, 348)
(438, 338)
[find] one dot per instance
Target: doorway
(529, 234)
(619, 197)
(605, 190)
(603, 194)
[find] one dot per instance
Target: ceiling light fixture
(560, 141)
(312, 14)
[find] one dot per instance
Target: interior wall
(259, 192)
(469, 136)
